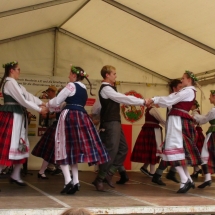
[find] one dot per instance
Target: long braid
(90, 87)
(80, 76)
(2, 80)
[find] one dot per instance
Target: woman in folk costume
(14, 144)
(180, 144)
(200, 138)
(148, 145)
(45, 148)
(76, 138)
(208, 150)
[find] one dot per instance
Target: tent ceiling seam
(114, 54)
(160, 25)
(27, 35)
(82, 6)
(33, 7)
(205, 73)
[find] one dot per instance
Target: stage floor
(138, 196)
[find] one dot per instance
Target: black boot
(171, 176)
(157, 180)
(98, 183)
(124, 178)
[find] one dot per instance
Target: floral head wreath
(191, 75)
(212, 92)
(196, 104)
(9, 64)
(81, 73)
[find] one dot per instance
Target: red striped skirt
(45, 148)
(145, 147)
(83, 144)
(200, 139)
(6, 126)
(211, 150)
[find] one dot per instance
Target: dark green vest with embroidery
(212, 127)
(10, 104)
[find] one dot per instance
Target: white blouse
(109, 93)
(19, 93)
(202, 119)
(185, 94)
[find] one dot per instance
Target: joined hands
(148, 102)
(44, 109)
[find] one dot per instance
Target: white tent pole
(160, 25)
(34, 7)
(113, 54)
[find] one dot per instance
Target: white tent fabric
(116, 27)
(193, 17)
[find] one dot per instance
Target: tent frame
(160, 25)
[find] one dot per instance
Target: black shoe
(196, 174)
(73, 190)
(49, 171)
(42, 176)
(17, 182)
(144, 171)
(186, 187)
(151, 175)
(193, 185)
(98, 183)
(57, 172)
(123, 179)
(157, 180)
(67, 187)
(171, 176)
(205, 184)
(109, 180)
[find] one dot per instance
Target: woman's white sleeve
(13, 89)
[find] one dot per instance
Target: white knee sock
(152, 169)
(187, 173)
(74, 169)
(66, 173)
(43, 167)
(207, 177)
(182, 175)
(16, 172)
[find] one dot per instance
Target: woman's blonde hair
(77, 211)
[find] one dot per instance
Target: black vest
(110, 110)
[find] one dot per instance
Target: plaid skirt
(211, 151)
(6, 125)
(45, 148)
(145, 147)
(200, 138)
(192, 155)
(83, 144)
